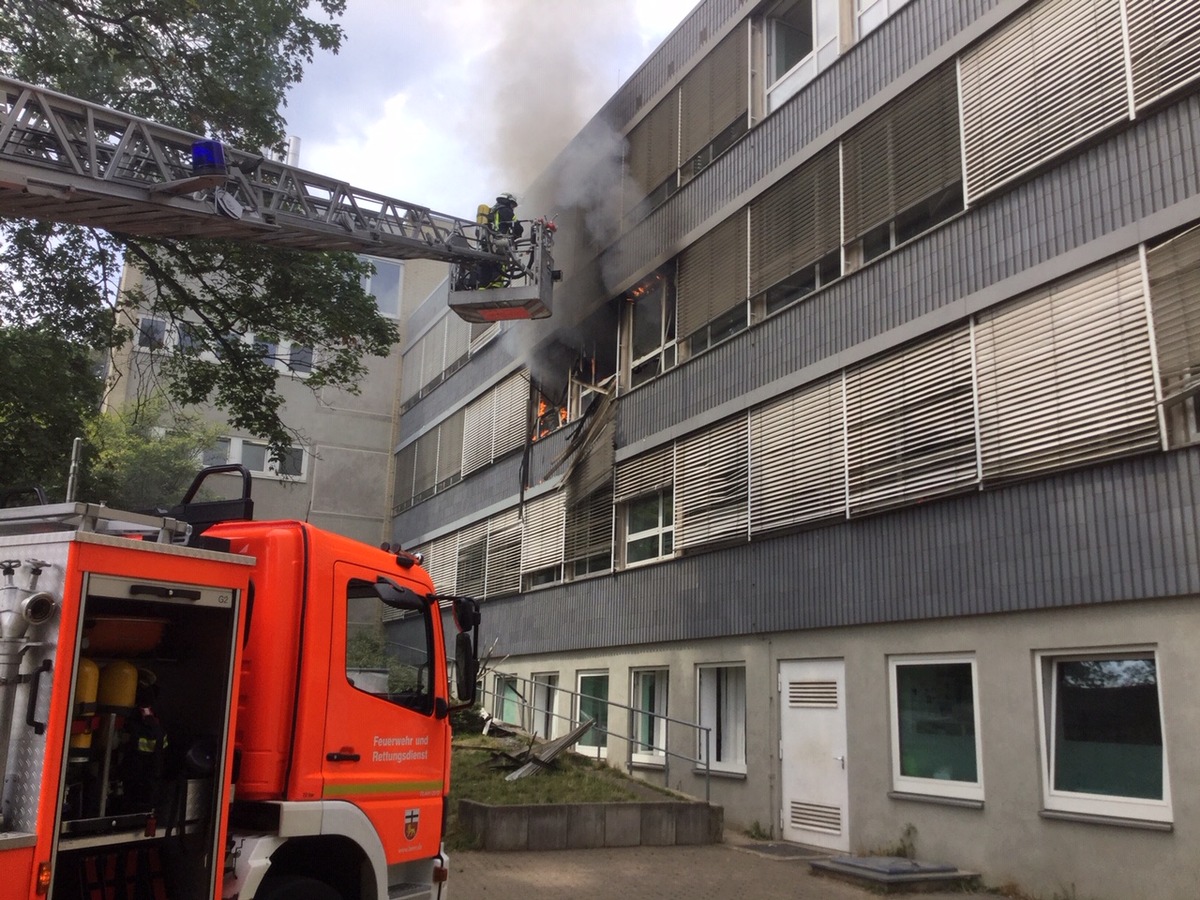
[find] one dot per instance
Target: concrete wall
(1008, 838)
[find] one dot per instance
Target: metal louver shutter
(1065, 376)
(653, 152)
(711, 485)
(477, 433)
(472, 560)
(450, 448)
(589, 526)
(1164, 45)
(1050, 78)
(441, 562)
(645, 474)
(512, 414)
(593, 466)
(796, 222)
(904, 154)
(406, 462)
(1174, 269)
(458, 341)
(712, 275)
(434, 360)
(503, 555)
(910, 424)
(426, 465)
(410, 372)
(714, 94)
(798, 458)
(542, 539)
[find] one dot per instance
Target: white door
(812, 752)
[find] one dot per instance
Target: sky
(447, 103)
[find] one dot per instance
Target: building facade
(863, 433)
(332, 476)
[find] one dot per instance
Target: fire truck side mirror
(466, 613)
(466, 669)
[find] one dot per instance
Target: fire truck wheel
(296, 887)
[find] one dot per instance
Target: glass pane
(793, 37)
(300, 359)
(394, 666)
(647, 324)
(254, 456)
(593, 704)
(385, 286)
(292, 463)
(1108, 728)
(151, 333)
(936, 708)
(643, 549)
(643, 514)
(218, 454)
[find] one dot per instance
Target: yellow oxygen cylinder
(87, 684)
(483, 214)
(118, 685)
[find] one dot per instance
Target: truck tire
(296, 887)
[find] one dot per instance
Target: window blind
(714, 94)
(798, 459)
(1065, 375)
(712, 275)
(503, 555)
(1174, 270)
(646, 474)
(905, 153)
(472, 559)
(589, 525)
(910, 424)
(796, 222)
(1164, 44)
(653, 151)
(1054, 75)
(450, 448)
(543, 536)
(711, 485)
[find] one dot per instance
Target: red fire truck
(196, 705)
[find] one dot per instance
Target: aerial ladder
(63, 159)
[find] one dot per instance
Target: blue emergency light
(208, 158)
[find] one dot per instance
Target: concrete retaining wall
(570, 826)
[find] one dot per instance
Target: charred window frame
(648, 328)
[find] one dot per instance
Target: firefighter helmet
(507, 198)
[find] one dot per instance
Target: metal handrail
(528, 709)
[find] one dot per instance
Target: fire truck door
(384, 747)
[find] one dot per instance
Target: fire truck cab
(189, 716)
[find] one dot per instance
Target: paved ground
(729, 871)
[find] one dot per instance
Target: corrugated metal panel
(542, 540)
(711, 485)
(645, 474)
(1164, 45)
(796, 222)
(712, 275)
(1117, 532)
(1051, 77)
(799, 458)
(714, 93)
(1151, 166)
(1065, 374)
(910, 424)
(904, 154)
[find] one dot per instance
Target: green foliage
(219, 69)
(49, 393)
(144, 458)
(758, 832)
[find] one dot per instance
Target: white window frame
(961, 790)
(236, 454)
(824, 51)
(502, 698)
(1109, 806)
(725, 716)
(366, 285)
(653, 755)
(601, 751)
(666, 347)
(151, 334)
(543, 705)
(664, 531)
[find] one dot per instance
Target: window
(384, 285)
(508, 702)
(711, 285)
(545, 696)
(649, 329)
(722, 704)
(872, 12)
(254, 455)
(151, 333)
(1102, 734)
(649, 722)
(935, 720)
(593, 704)
(300, 359)
(802, 39)
(395, 665)
(649, 528)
